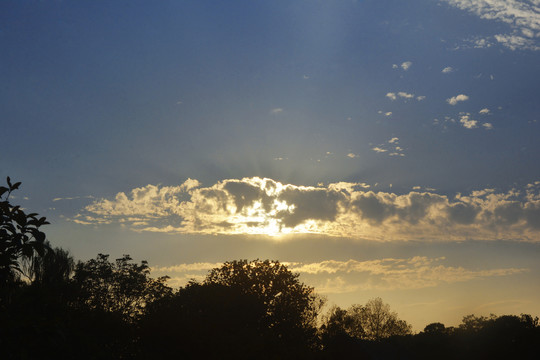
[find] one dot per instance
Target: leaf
(16, 186)
(9, 181)
(3, 189)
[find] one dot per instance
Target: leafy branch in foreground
(20, 234)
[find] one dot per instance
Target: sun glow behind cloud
(261, 206)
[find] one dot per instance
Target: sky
(378, 148)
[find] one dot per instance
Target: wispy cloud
(276, 110)
(455, 99)
(389, 273)
(521, 16)
(334, 276)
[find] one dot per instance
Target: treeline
(54, 307)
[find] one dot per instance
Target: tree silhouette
(291, 306)
(373, 321)
(121, 287)
(20, 236)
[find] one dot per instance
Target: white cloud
(395, 66)
(522, 18)
(467, 122)
(352, 156)
(484, 111)
(405, 95)
(389, 113)
(391, 147)
(488, 126)
(276, 110)
(267, 207)
(455, 99)
(406, 65)
(514, 42)
(447, 70)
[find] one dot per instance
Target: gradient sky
(379, 148)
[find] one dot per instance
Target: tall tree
(121, 287)
(291, 307)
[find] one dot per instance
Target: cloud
(455, 99)
(390, 273)
(276, 110)
(391, 147)
(391, 96)
(73, 198)
(406, 65)
(404, 95)
(266, 207)
(467, 122)
(447, 70)
(521, 17)
(335, 276)
(484, 111)
(352, 155)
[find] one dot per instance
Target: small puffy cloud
(447, 70)
(391, 147)
(395, 66)
(487, 126)
(484, 111)
(405, 95)
(352, 155)
(455, 99)
(276, 110)
(467, 122)
(406, 65)
(389, 113)
(262, 206)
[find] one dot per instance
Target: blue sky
(392, 146)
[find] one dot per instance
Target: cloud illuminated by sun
(261, 206)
